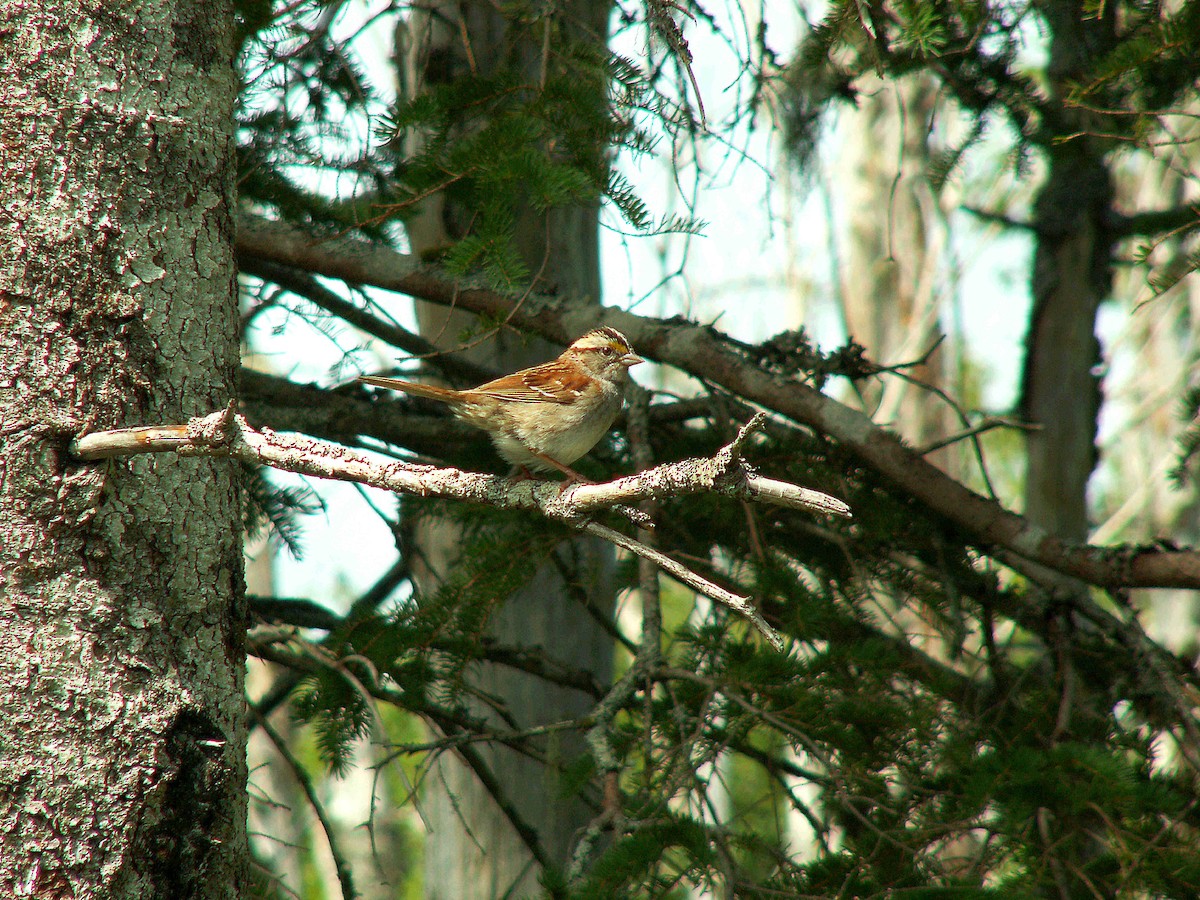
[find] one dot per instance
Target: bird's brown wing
(550, 382)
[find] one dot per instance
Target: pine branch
(311, 661)
(302, 284)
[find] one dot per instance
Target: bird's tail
(432, 392)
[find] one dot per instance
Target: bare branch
(740, 605)
(1154, 222)
(303, 284)
(984, 425)
(227, 434)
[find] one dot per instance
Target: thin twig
(980, 427)
(739, 605)
(345, 879)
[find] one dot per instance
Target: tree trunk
(1071, 275)
(474, 849)
(1060, 395)
(122, 751)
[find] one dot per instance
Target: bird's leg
(573, 477)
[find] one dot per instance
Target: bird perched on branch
(547, 416)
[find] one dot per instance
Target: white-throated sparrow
(544, 417)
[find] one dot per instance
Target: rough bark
(474, 849)
(122, 753)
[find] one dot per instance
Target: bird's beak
(631, 359)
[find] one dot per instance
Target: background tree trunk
(1071, 276)
(473, 849)
(122, 769)
(1060, 391)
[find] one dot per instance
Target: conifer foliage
(967, 706)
